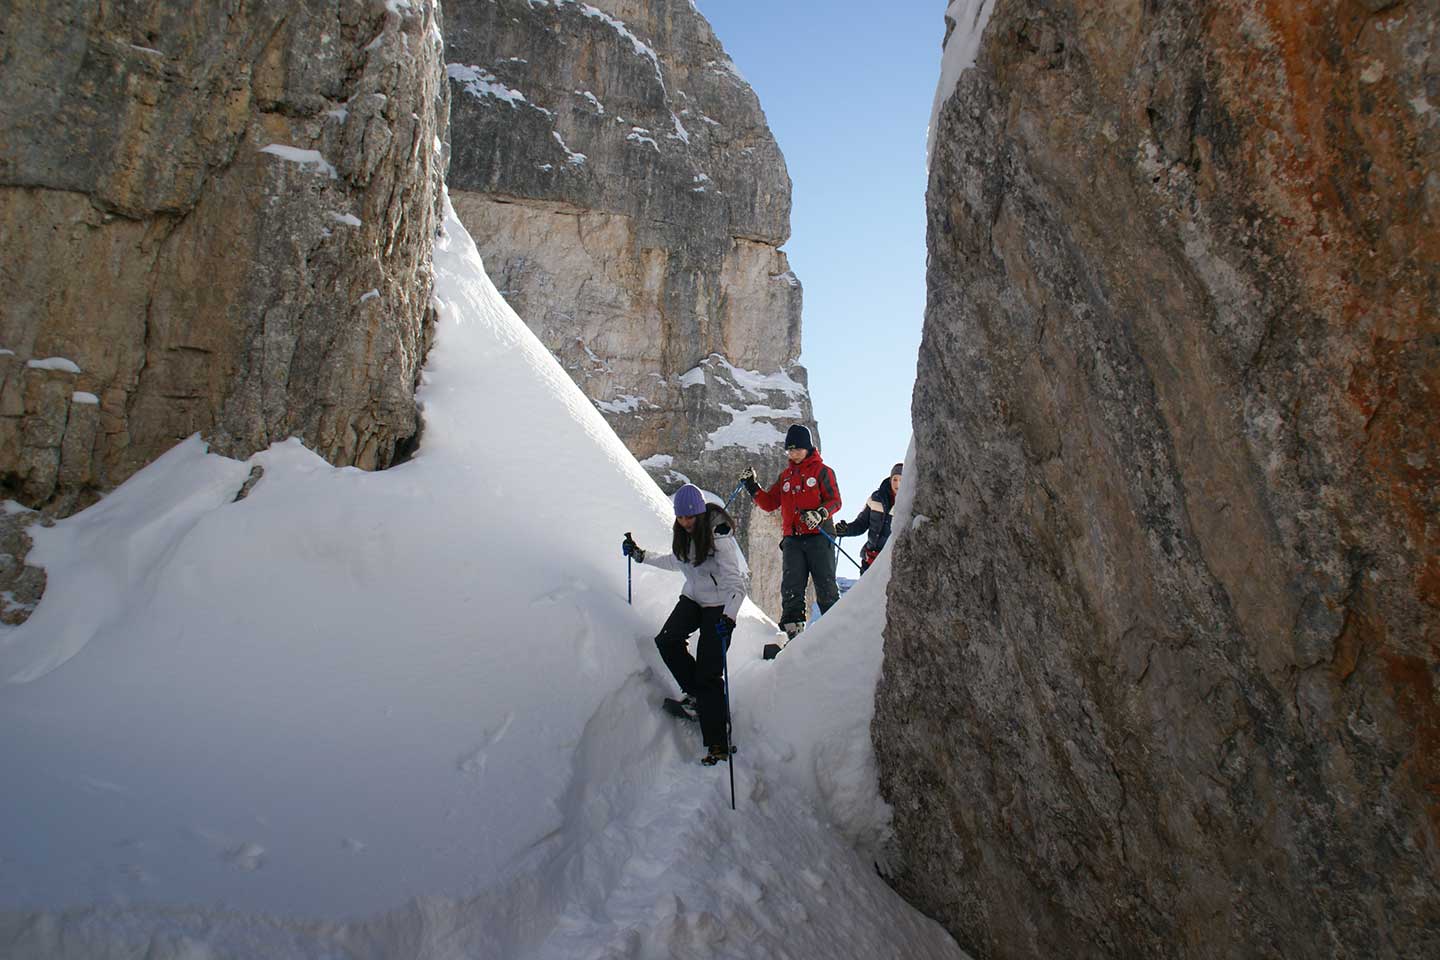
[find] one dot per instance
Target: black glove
(632, 549)
(813, 518)
(842, 528)
(750, 480)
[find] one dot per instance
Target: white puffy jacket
(721, 580)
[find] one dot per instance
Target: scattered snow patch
(726, 67)
(594, 101)
(640, 135)
(481, 83)
(80, 396)
(625, 404)
(305, 158)
(570, 155)
(54, 363)
(748, 428)
(753, 382)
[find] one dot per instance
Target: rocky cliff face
(1161, 667)
(213, 218)
(630, 201)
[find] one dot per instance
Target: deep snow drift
(410, 714)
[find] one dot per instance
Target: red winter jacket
(801, 486)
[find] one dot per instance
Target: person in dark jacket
(873, 522)
(807, 495)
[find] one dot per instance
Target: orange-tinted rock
(1160, 672)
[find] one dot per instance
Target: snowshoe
(683, 708)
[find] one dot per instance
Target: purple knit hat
(689, 501)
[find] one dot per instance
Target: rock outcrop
(216, 219)
(1161, 665)
(630, 201)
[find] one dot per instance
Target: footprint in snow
(137, 874)
(247, 856)
(473, 763)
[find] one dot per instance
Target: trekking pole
(738, 487)
(729, 738)
(629, 598)
(836, 544)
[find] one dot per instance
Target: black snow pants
(807, 556)
(699, 676)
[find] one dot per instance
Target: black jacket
(874, 520)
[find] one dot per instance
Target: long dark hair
(703, 539)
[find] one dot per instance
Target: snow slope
(410, 714)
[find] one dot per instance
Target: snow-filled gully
(410, 713)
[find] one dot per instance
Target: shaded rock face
(629, 201)
(213, 218)
(1161, 667)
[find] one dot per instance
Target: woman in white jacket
(705, 551)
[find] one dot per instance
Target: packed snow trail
(410, 713)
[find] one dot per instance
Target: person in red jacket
(806, 495)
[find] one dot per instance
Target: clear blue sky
(847, 87)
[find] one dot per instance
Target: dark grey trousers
(809, 556)
(702, 675)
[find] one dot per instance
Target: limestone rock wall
(1161, 666)
(630, 201)
(213, 218)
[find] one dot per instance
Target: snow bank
(410, 713)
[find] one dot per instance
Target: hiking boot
(718, 753)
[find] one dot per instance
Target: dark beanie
(799, 436)
(897, 470)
